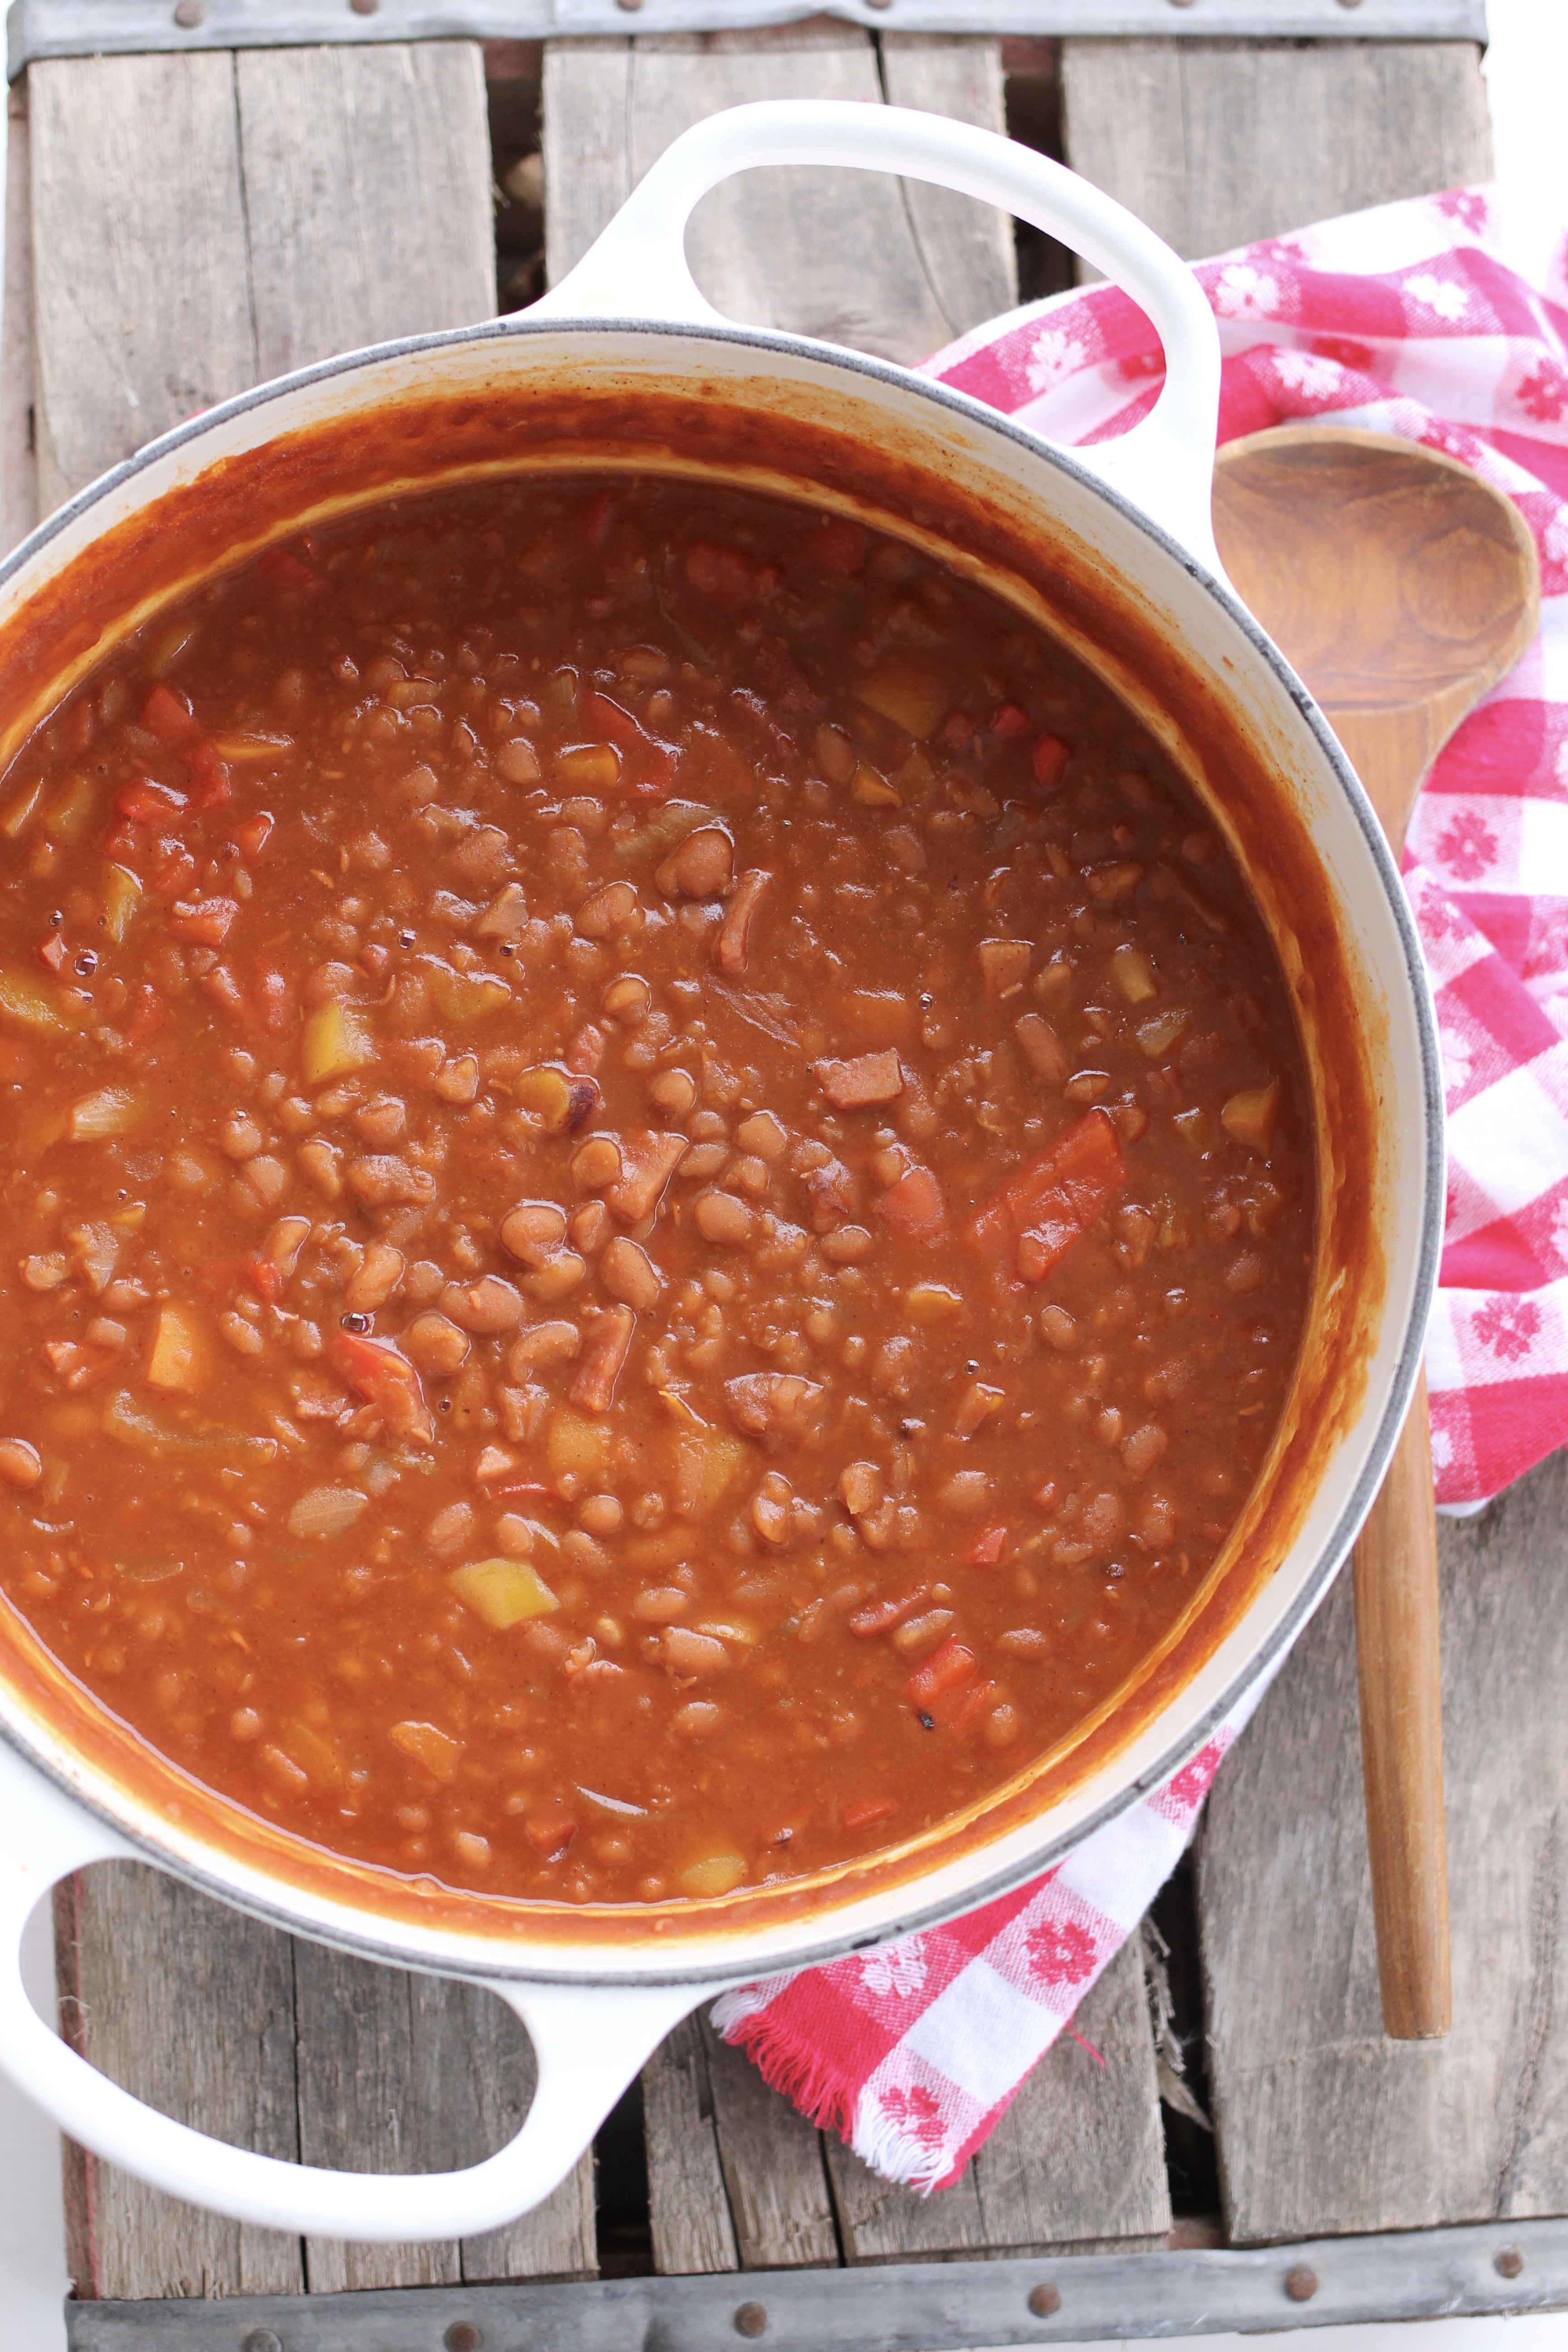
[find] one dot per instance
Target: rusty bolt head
(261, 2340)
(463, 2336)
(1302, 2284)
(752, 2319)
(1044, 2299)
(631, 6)
(365, 7)
(189, 14)
(1507, 2262)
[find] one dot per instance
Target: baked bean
(485, 1308)
(534, 1231)
(435, 1343)
(702, 868)
(718, 1218)
(629, 1273)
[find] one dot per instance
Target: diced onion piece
(715, 1874)
(326, 1511)
(1250, 1116)
(121, 897)
(175, 1361)
(337, 1040)
(436, 1750)
(1133, 975)
(873, 791)
(977, 1404)
(1160, 1032)
(504, 1592)
(112, 1110)
(316, 1756)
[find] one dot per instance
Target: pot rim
(360, 1931)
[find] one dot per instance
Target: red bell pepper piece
(1007, 721)
(169, 716)
(252, 834)
(1053, 1200)
(988, 1547)
(861, 1811)
(375, 1372)
(944, 1671)
(144, 802)
(1049, 760)
(283, 574)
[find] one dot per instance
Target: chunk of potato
(504, 1592)
(1250, 1116)
(175, 1361)
(577, 1445)
(908, 689)
(337, 1040)
(713, 1874)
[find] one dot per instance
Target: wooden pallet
(180, 227)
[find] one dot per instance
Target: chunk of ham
(866, 1080)
(648, 1160)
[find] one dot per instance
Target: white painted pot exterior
(595, 2009)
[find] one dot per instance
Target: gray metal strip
(904, 2308)
(72, 29)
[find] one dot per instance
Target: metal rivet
(879, 4)
(752, 2319)
(365, 7)
(1181, 4)
(631, 6)
(1350, 3)
(1302, 2284)
(462, 2336)
(190, 13)
(261, 2340)
(1508, 2263)
(1044, 2299)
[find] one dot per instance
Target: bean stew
(659, 1187)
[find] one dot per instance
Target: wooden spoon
(1401, 588)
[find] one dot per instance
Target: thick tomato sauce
(659, 1188)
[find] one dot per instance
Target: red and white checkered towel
(1445, 321)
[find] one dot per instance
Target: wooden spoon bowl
(1400, 587)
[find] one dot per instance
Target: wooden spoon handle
(1399, 1670)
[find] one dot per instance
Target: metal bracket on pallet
(1073, 2298)
(75, 28)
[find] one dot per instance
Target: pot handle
(590, 2040)
(637, 269)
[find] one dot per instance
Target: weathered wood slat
(406, 2074)
(1215, 142)
(141, 271)
(858, 259)
(736, 2175)
(192, 2008)
(18, 463)
(368, 208)
(1324, 2125)
(1078, 2161)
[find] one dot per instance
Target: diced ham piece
(648, 1160)
(856, 1085)
(604, 1353)
(732, 948)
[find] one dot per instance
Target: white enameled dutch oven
(1111, 548)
